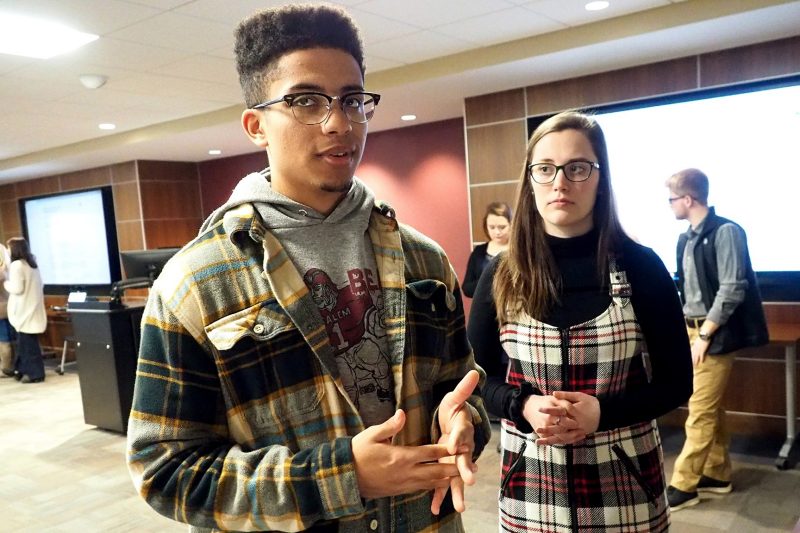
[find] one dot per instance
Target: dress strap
(619, 287)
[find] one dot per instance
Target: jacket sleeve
(658, 310)
(184, 462)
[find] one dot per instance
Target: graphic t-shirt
(335, 257)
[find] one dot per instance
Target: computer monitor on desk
(141, 268)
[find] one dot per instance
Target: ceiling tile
(418, 47)
(516, 23)
(171, 30)
(574, 14)
(427, 14)
(202, 67)
(112, 52)
(91, 17)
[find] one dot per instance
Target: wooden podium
(107, 345)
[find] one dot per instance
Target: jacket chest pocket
(429, 305)
(271, 378)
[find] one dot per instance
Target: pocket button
(258, 329)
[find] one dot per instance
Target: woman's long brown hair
(527, 280)
(18, 249)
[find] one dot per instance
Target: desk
(787, 335)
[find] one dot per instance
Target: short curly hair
(264, 37)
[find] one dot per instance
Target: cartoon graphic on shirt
(354, 319)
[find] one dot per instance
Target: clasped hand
(563, 417)
(384, 469)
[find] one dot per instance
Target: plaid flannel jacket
(239, 419)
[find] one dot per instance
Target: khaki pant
(705, 452)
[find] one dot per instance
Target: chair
(60, 368)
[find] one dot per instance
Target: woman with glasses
(576, 304)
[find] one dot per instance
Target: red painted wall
(419, 170)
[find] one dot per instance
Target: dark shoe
(709, 484)
(27, 379)
(679, 499)
(17, 375)
(7, 373)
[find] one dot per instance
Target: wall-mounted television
(744, 138)
(74, 238)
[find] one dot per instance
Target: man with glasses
(722, 306)
(303, 361)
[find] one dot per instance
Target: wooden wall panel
(482, 196)
(782, 312)
(126, 201)
(170, 200)
(765, 60)
(85, 179)
(497, 152)
(123, 172)
(130, 236)
(9, 216)
(168, 233)
(496, 107)
(37, 187)
(615, 86)
(167, 171)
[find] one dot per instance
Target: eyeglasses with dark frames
(675, 198)
(314, 108)
(544, 173)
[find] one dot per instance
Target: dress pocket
(634, 472)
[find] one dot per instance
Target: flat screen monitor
(744, 138)
(145, 263)
(74, 238)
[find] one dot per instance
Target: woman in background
(26, 310)
(497, 227)
(6, 331)
(575, 303)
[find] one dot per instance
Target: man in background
(722, 306)
(304, 362)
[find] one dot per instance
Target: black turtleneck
(584, 296)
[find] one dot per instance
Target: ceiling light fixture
(408, 117)
(107, 126)
(41, 39)
(215, 151)
(93, 81)
(596, 6)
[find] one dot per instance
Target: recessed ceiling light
(107, 126)
(214, 152)
(596, 6)
(408, 117)
(42, 39)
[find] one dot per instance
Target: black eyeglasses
(674, 198)
(314, 108)
(544, 173)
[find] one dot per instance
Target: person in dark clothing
(496, 226)
(576, 305)
(722, 306)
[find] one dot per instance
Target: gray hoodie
(334, 256)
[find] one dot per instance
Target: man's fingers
(457, 493)
(438, 498)
(466, 468)
(385, 431)
(465, 387)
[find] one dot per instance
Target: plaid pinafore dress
(613, 480)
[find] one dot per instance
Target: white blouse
(25, 298)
